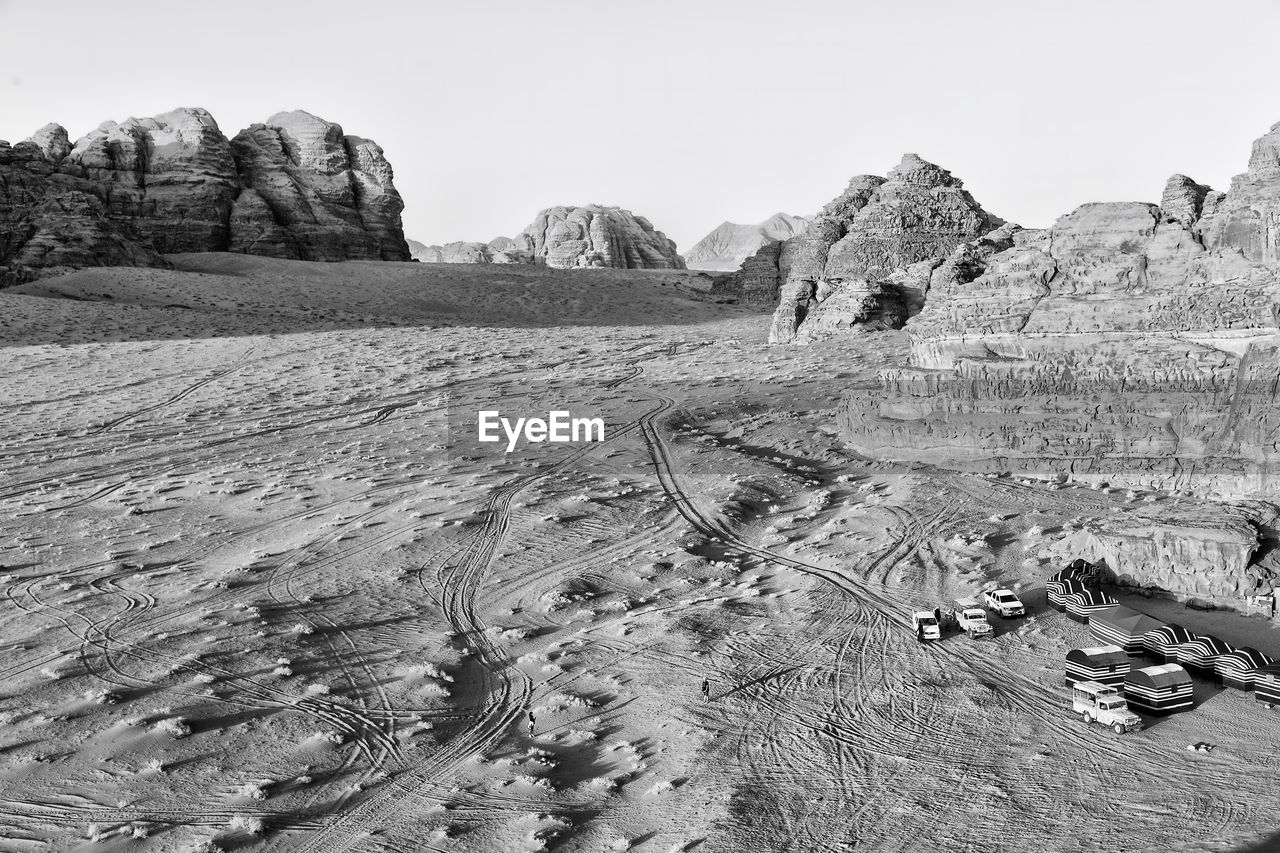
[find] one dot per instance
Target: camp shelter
(1105, 664)
(1266, 685)
(1059, 590)
(1239, 668)
(1202, 652)
(1162, 643)
(1162, 689)
(1123, 626)
(1082, 605)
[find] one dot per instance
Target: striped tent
(1163, 689)
(1059, 590)
(1106, 664)
(1082, 605)
(1123, 627)
(1202, 653)
(1239, 669)
(1266, 685)
(1162, 643)
(1080, 570)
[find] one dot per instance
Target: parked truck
(969, 617)
(1096, 702)
(1004, 602)
(925, 624)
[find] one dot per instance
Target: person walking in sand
(706, 688)
(532, 723)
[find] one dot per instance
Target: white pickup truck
(925, 624)
(1096, 702)
(971, 618)
(1004, 602)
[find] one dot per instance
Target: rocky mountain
(725, 248)
(597, 236)
(126, 193)
(500, 250)
(1130, 343)
(857, 265)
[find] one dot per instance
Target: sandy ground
(262, 592)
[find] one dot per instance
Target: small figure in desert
(532, 723)
(706, 688)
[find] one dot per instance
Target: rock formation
(596, 236)
(1210, 557)
(124, 194)
(725, 248)
(1130, 343)
(870, 239)
(500, 250)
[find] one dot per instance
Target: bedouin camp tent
(1123, 626)
(1162, 689)
(1162, 643)
(1106, 664)
(1202, 653)
(1082, 605)
(1239, 669)
(1080, 570)
(1266, 685)
(1059, 590)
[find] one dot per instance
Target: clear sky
(689, 112)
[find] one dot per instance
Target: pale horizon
(689, 114)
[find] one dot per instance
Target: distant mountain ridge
(726, 247)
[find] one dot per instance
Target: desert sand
(262, 593)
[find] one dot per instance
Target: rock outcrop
(1248, 216)
(1130, 343)
(596, 236)
(126, 193)
(725, 248)
(1210, 557)
(313, 193)
(870, 239)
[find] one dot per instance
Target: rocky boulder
(597, 236)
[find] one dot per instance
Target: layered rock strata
(126, 193)
(1131, 343)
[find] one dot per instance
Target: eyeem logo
(559, 427)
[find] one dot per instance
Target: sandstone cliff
(725, 248)
(863, 250)
(596, 236)
(126, 193)
(1132, 343)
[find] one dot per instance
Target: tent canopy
(1126, 620)
(1166, 675)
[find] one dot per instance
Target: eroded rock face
(126, 192)
(313, 193)
(596, 236)
(1248, 217)
(1209, 558)
(871, 239)
(1124, 344)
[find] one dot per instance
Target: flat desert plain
(262, 591)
